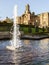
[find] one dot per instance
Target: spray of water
(16, 33)
(14, 25)
(13, 42)
(16, 43)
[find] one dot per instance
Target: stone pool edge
(35, 37)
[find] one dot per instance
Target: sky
(37, 6)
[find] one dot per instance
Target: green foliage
(33, 30)
(5, 26)
(47, 29)
(36, 29)
(43, 29)
(29, 29)
(25, 30)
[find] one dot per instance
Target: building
(7, 20)
(44, 19)
(30, 18)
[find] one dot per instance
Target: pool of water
(31, 53)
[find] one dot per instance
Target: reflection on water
(31, 53)
(3, 44)
(44, 45)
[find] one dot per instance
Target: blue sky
(7, 6)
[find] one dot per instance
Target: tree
(36, 29)
(47, 29)
(29, 28)
(43, 29)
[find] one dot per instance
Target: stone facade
(30, 18)
(44, 19)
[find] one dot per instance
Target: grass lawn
(33, 30)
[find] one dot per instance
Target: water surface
(31, 53)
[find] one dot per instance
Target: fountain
(15, 43)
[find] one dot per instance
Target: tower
(27, 9)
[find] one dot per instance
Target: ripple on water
(32, 53)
